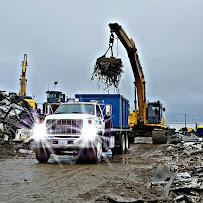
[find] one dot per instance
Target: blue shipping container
(119, 117)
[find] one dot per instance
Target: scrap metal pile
(186, 183)
(15, 113)
(108, 70)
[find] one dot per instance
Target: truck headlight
(89, 133)
(39, 131)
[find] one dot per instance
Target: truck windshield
(75, 108)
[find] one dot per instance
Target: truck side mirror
(164, 109)
(108, 110)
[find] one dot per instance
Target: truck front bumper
(67, 144)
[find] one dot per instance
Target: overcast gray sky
(63, 38)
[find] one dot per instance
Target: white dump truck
(85, 127)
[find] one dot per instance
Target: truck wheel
(127, 144)
(92, 155)
(121, 148)
(131, 139)
(95, 155)
(42, 155)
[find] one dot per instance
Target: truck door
(101, 123)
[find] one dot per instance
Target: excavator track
(159, 136)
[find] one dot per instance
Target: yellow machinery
(23, 83)
(147, 118)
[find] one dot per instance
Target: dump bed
(119, 117)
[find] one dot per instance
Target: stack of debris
(16, 122)
(14, 114)
(187, 163)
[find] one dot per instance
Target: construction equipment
(23, 84)
(54, 99)
(148, 118)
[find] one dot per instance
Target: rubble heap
(14, 114)
(187, 165)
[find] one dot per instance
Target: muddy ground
(123, 178)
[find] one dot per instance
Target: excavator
(147, 119)
(23, 83)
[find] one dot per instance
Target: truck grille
(64, 126)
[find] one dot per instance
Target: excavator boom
(139, 83)
(23, 84)
(147, 119)
(23, 77)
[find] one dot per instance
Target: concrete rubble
(187, 163)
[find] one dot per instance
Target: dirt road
(122, 178)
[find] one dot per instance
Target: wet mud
(123, 178)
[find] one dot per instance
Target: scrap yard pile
(186, 163)
(15, 116)
(176, 174)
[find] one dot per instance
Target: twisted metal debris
(108, 71)
(14, 114)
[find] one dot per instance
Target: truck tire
(127, 144)
(121, 148)
(131, 140)
(94, 156)
(90, 155)
(42, 155)
(131, 137)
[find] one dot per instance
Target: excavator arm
(23, 84)
(23, 77)
(140, 92)
(146, 120)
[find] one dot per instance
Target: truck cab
(75, 118)
(87, 126)
(73, 127)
